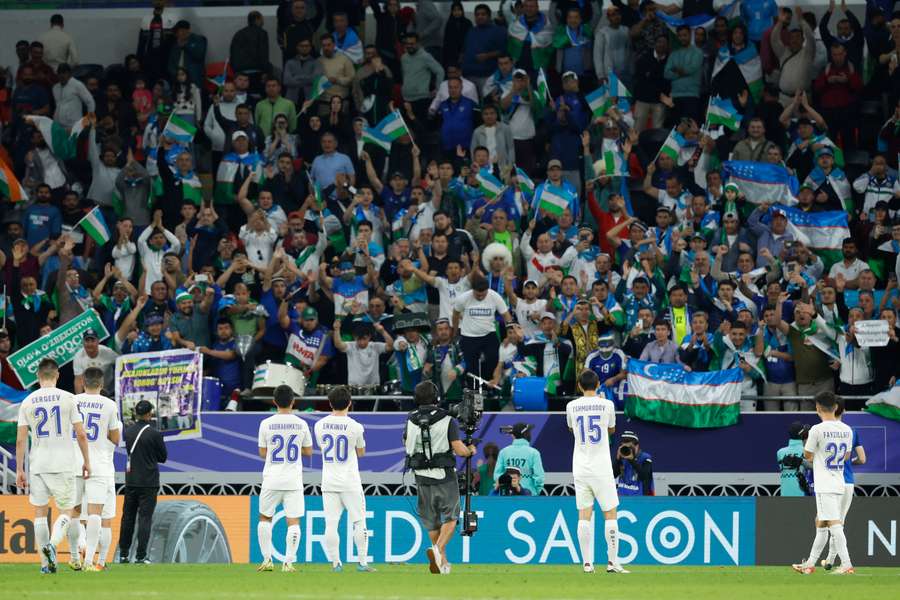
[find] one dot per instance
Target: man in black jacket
(146, 449)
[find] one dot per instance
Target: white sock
(332, 542)
(292, 541)
(92, 538)
(818, 545)
(832, 550)
(840, 543)
(60, 527)
(82, 535)
(264, 533)
(611, 532)
(586, 541)
(105, 543)
(361, 539)
(73, 534)
(41, 536)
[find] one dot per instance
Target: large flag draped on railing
(669, 394)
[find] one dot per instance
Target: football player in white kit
(283, 439)
(50, 414)
(340, 439)
(592, 419)
(828, 446)
(96, 497)
(858, 457)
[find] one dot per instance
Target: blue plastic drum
(212, 394)
(528, 393)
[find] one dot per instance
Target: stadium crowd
(458, 196)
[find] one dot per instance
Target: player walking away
(50, 414)
(340, 439)
(857, 457)
(592, 419)
(828, 446)
(283, 439)
(96, 497)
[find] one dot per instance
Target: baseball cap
(511, 470)
(660, 209)
(309, 313)
(238, 134)
(143, 408)
(153, 319)
(554, 163)
(807, 186)
(730, 215)
(795, 431)
(571, 74)
(520, 73)
(804, 121)
(826, 150)
(698, 236)
(639, 225)
(519, 429)
(731, 186)
(640, 279)
(90, 334)
(397, 174)
(548, 315)
(582, 299)
(779, 212)
(182, 295)
(530, 282)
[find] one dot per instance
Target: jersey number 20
(334, 448)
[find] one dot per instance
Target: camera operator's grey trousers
(438, 502)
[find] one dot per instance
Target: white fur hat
(493, 250)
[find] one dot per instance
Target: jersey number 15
(590, 428)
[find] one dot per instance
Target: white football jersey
(338, 438)
(829, 442)
(283, 436)
(590, 418)
(50, 414)
(100, 416)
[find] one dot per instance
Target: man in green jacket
(272, 105)
(522, 456)
(684, 69)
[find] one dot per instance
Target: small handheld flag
(555, 200)
(320, 84)
(489, 185)
(95, 226)
(179, 130)
(525, 182)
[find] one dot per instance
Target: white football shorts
(846, 500)
(335, 503)
(291, 501)
(602, 490)
(96, 490)
(828, 507)
(59, 486)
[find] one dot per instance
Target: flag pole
(5, 305)
(406, 125)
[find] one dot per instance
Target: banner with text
(61, 345)
(171, 381)
(652, 531)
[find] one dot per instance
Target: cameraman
(510, 484)
(525, 459)
(633, 468)
(431, 439)
(790, 462)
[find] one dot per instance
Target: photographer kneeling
(510, 484)
(633, 468)
(431, 439)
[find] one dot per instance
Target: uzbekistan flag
(542, 93)
(747, 61)
(555, 200)
(600, 101)
(693, 22)
(393, 126)
(525, 182)
(721, 111)
(489, 185)
(62, 143)
(762, 182)
(320, 84)
(179, 130)
(95, 226)
(678, 148)
(10, 187)
(886, 404)
(376, 137)
(611, 164)
(666, 393)
(825, 231)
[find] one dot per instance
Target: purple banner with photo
(169, 380)
(229, 441)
